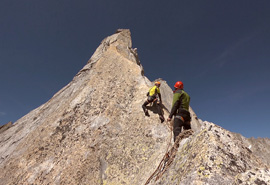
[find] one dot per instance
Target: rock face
(259, 146)
(5, 127)
(93, 131)
(215, 156)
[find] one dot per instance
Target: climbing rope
(169, 156)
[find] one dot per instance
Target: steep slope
(93, 131)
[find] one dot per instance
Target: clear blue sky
(219, 49)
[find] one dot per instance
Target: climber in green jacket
(180, 109)
(155, 97)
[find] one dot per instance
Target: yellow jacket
(154, 90)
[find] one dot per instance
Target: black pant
(150, 99)
(155, 100)
(178, 123)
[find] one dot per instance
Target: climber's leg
(145, 109)
(178, 123)
(159, 110)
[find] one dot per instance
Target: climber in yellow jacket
(155, 97)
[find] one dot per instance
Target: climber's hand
(169, 119)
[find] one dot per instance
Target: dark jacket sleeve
(174, 108)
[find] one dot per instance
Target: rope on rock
(169, 156)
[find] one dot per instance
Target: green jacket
(180, 102)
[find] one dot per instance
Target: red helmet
(179, 85)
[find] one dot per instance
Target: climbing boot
(146, 113)
(162, 119)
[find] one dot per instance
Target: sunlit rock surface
(215, 156)
(93, 131)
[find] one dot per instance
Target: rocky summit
(94, 131)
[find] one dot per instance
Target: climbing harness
(180, 117)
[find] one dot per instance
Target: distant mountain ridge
(93, 131)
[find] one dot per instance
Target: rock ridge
(93, 131)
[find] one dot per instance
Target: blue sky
(219, 49)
